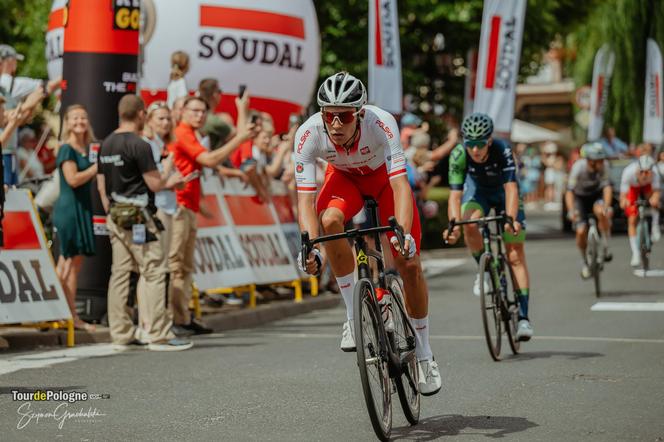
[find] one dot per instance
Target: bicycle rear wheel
(371, 359)
(511, 311)
(403, 344)
(490, 303)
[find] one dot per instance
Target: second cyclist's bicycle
(384, 336)
(643, 229)
(498, 299)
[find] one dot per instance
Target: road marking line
(628, 307)
(434, 267)
(481, 338)
(652, 273)
(47, 358)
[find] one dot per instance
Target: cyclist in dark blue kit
(482, 176)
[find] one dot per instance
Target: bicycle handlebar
(308, 244)
(485, 220)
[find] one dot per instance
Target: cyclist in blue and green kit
(482, 176)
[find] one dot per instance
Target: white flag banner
(498, 63)
(385, 87)
(602, 72)
(653, 116)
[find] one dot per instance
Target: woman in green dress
(72, 213)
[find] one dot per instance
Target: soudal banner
(285, 214)
(29, 288)
(498, 61)
(219, 259)
(602, 72)
(55, 38)
(653, 116)
(469, 86)
(271, 47)
(385, 86)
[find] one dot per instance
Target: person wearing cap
(589, 191)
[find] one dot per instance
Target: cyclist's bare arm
(569, 201)
(306, 210)
(403, 202)
(607, 193)
(453, 212)
(511, 199)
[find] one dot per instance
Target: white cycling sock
(634, 244)
(346, 286)
(423, 349)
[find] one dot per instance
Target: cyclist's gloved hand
(451, 237)
(409, 243)
(313, 264)
(516, 230)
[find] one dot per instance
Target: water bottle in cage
(385, 302)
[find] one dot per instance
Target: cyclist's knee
(516, 255)
(471, 229)
(332, 221)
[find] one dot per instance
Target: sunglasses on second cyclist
(345, 117)
(475, 144)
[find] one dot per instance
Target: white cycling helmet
(593, 151)
(342, 89)
(646, 162)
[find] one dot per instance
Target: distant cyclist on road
(589, 191)
(365, 158)
(483, 176)
(640, 179)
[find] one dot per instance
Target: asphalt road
(587, 375)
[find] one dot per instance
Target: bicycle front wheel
(511, 311)
(490, 303)
(593, 260)
(371, 359)
(403, 343)
(644, 245)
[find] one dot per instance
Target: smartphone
(243, 87)
(255, 118)
(192, 176)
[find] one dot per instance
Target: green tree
(23, 26)
(625, 25)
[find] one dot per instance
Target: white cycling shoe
(476, 284)
(348, 337)
(524, 331)
(430, 382)
(636, 260)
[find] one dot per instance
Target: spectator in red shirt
(190, 156)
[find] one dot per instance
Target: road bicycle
(643, 226)
(498, 298)
(384, 335)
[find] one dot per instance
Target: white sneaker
(636, 260)
(476, 284)
(348, 337)
(174, 344)
(524, 331)
(585, 271)
(656, 234)
(429, 383)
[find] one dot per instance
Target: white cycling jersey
(630, 178)
(377, 144)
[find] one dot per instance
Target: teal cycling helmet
(593, 151)
(477, 126)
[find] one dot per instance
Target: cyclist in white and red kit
(640, 179)
(364, 157)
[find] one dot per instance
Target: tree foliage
(23, 26)
(625, 25)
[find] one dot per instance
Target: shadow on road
(451, 425)
(571, 355)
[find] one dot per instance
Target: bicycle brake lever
(450, 229)
(398, 232)
(306, 246)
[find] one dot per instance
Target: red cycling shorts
(633, 195)
(346, 192)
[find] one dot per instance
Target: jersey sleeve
(625, 179)
(304, 153)
(387, 132)
(457, 169)
(508, 165)
(574, 175)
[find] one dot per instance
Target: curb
(31, 339)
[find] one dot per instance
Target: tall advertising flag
(498, 63)
(469, 85)
(653, 115)
(385, 88)
(602, 72)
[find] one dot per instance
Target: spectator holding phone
(190, 157)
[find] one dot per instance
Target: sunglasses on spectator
(157, 105)
(344, 117)
(475, 144)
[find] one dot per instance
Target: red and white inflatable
(272, 47)
(55, 38)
